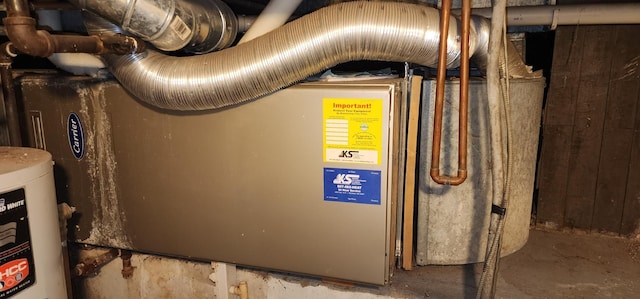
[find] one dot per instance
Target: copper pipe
(65, 212)
(9, 94)
(90, 266)
(46, 5)
(17, 8)
(464, 96)
(127, 268)
(21, 30)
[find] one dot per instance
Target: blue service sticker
(75, 134)
(352, 185)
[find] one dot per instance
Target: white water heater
(31, 262)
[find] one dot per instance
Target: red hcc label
(12, 273)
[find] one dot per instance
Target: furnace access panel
(298, 181)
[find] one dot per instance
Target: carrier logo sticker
(76, 135)
(12, 273)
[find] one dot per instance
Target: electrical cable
(506, 88)
(496, 91)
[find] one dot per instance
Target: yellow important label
(352, 130)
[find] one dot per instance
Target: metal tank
(453, 221)
(31, 262)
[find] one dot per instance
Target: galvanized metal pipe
(200, 25)
(245, 22)
(581, 14)
(332, 35)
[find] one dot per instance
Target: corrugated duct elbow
(339, 33)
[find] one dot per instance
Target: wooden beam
(410, 173)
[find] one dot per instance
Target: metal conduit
(576, 14)
(339, 33)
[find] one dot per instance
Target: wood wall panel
(558, 127)
(612, 180)
(563, 90)
(552, 174)
(588, 171)
(585, 152)
(631, 214)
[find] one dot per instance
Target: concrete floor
(551, 265)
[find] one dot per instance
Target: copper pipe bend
(26, 39)
(21, 30)
(445, 15)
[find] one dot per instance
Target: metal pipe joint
(199, 26)
(26, 39)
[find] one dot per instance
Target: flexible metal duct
(332, 35)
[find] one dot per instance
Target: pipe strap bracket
(495, 209)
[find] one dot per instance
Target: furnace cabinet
(304, 180)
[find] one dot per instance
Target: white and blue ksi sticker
(352, 185)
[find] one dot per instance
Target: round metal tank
(453, 221)
(31, 261)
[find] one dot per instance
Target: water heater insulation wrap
(31, 263)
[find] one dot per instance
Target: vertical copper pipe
(127, 268)
(9, 94)
(464, 96)
(464, 90)
(17, 8)
(445, 13)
